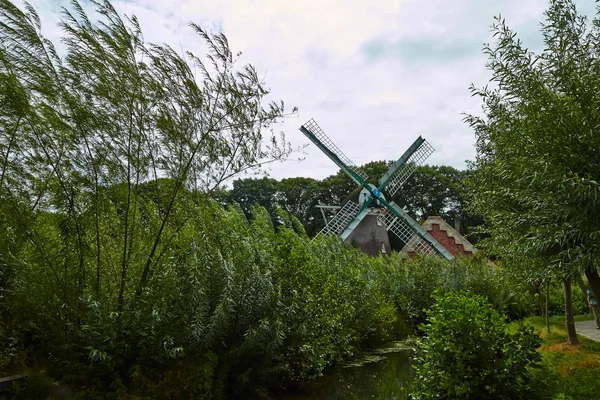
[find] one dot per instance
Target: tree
(297, 196)
(101, 147)
(252, 191)
(535, 176)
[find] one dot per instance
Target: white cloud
(312, 54)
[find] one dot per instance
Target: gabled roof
(450, 232)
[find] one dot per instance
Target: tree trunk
(572, 334)
(546, 314)
(538, 292)
(582, 286)
(594, 280)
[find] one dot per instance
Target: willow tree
(83, 129)
(536, 172)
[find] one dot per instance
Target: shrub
(468, 353)
(236, 308)
(412, 283)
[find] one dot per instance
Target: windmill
(371, 202)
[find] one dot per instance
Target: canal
(380, 375)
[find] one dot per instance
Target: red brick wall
(448, 242)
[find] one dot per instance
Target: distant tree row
(431, 190)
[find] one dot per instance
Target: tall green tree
(535, 178)
(102, 145)
(298, 196)
(254, 191)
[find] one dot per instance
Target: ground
(588, 329)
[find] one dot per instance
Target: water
(381, 375)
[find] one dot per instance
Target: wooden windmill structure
(365, 222)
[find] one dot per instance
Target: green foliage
(468, 353)
(333, 303)
(107, 154)
(535, 177)
(249, 192)
(118, 275)
(431, 190)
(297, 196)
(412, 284)
(123, 113)
(234, 308)
(573, 370)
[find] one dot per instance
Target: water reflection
(382, 375)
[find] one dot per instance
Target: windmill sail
(410, 232)
(346, 220)
(402, 230)
(318, 137)
(402, 169)
(354, 223)
(349, 217)
(338, 224)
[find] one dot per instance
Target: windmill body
(364, 222)
(370, 234)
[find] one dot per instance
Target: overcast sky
(374, 74)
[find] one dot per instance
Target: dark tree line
(431, 190)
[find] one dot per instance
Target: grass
(575, 369)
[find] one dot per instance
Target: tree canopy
(431, 190)
(535, 178)
(115, 111)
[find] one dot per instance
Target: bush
(468, 353)
(412, 283)
(236, 308)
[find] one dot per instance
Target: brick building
(448, 237)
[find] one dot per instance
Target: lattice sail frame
(316, 130)
(400, 228)
(341, 220)
(416, 159)
(351, 214)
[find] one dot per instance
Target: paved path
(588, 329)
